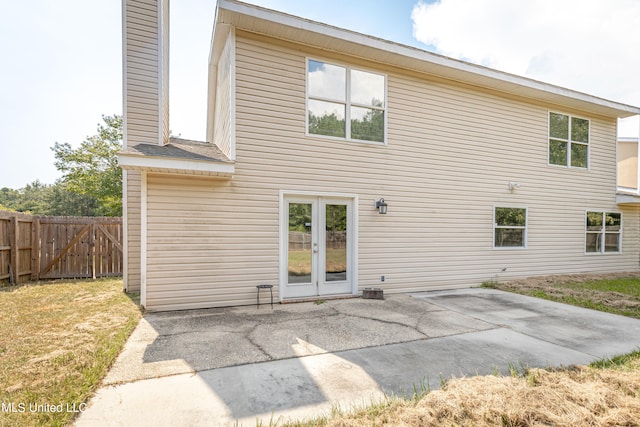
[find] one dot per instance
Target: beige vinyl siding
(628, 164)
(207, 243)
(224, 99)
(145, 89)
(133, 230)
(451, 151)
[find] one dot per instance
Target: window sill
(602, 253)
(507, 248)
(348, 140)
(576, 168)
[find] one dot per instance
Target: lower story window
(510, 227)
(603, 232)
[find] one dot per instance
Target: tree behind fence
(45, 247)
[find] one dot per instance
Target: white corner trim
(143, 239)
(163, 74)
(282, 247)
(124, 74)
(232, 95)
(125, 231)
(354, 261)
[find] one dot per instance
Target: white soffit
(288, 27)
(165, 164)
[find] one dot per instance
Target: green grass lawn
(58, 341)
(300, 261)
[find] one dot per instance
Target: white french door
(318, 238)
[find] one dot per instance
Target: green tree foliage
(37, 198)
(511, 217)
(8, 198)
(63, 202)
(32, 198)
(336, 218)
(91, 171)
(329, 125)
(4, 208)
(370, 127)
(299, 217)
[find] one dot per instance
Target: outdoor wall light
(381, 205)
(513, 186)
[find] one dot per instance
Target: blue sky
(62, 59)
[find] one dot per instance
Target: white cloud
(592, 46)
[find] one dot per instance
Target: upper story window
(568, 141)
(345, 103)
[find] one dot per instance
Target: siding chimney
(145, 44)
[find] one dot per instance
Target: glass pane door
(300, 243)
(335, 243)
(336, 246)
(316, 232)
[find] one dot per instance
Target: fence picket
(43, 247)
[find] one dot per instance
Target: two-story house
(336, 161)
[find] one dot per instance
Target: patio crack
(388, 322)
(247, 336)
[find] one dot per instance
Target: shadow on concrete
(300, 359)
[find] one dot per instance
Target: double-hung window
(568, 141)
(510, 227)
(344, 102)
(603, 232)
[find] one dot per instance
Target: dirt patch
(568, 288)
(560, 279)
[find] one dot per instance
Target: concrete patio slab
(191, 341)
(236, 366)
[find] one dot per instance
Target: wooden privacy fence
(47, 247)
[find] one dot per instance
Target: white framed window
(603, 232)
(345, 102)
(568, 141)
(509, 227)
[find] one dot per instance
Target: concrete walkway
(239, 365)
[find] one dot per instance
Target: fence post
(35, 248)
(14, 249)
(92, 249)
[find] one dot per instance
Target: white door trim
(283, 237)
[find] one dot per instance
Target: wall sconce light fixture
(513, 186)
(381, 205)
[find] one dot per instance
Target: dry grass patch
(58, 341)
(577, 396)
